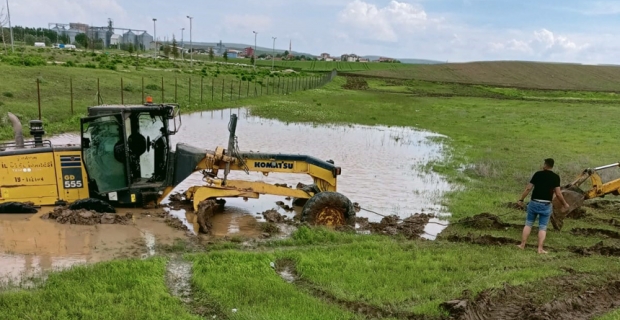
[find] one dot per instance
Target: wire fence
(194, 92)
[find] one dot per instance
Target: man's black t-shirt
(544, 182)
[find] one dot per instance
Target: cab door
(104, 153)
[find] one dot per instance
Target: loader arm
(598, 189)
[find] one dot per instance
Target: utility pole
(191, 46)
(182, 44)
(8, 12)
(273, 54)
(255, 34)
(155, 38)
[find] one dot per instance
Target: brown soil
(519, 302)
(356, 83)
(85, 217)
(484, 221)
(273, 216)
(610, 205)
(286, 268)
(206, 210)
(411, 227)
(598, 248)
(595, 232)
(483, 240)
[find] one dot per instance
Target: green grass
(328, 65)
(246, 282)
(493, 147)
(131, 289)
(211, 87)
(615, 315)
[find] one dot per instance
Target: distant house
(39, 44)
(349, 57)
(325, 56)
(328, 59)
(364, 60)
(383, 59)
(248, 52)
(233, 54)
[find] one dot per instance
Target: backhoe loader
(575, 196)
(125, 160)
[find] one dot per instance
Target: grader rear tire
(93, 204)
(329, 209)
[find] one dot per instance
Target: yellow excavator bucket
(575, 198)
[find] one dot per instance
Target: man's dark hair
(549, 162)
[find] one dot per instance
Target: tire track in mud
(513, 302)
(287, 270)
(178, 280)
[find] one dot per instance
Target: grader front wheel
(329, 209)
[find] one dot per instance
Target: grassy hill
(327, 65)
(530, 75)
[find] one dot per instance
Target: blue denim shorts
(542, 210)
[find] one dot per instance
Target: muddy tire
(92, 204)
(329, 209)
(300, 202)
(17, 208)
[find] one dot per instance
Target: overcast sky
(446, 30)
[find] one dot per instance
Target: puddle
(178, 275)
(31, 246)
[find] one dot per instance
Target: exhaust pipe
(17, 129)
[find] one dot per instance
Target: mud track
(411, 227)
(485, 221)
(519, 302)
(486, 240)
(286, 268)
(599, 248)
(595, 232)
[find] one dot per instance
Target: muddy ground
(85, 217)
(518, 302)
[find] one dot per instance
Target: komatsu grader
(125, 160)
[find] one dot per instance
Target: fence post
(176, 87)
(240, 89)
(231, 89)
(98, 93)
(162, 90)
(267, 86)
(202, 79)
(39, 98)
(189, 98)
(122, 94)
(278, 84)
(212, 89)
(223, 84)
(71, 87)
(247, 93)
(143, 90)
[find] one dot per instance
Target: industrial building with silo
(108, 35)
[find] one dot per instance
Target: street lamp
(182, 44)
(155, 38)
(8, 12)
(191, 46)
(273, 54)
(255, 34)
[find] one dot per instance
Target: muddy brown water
(381, 170)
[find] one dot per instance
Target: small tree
(130, 48)
(211, 55)
(226, 56)
(82, 39)
(175, 50)
(30, 39)
(167, 51)
(252, 59)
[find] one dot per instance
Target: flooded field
(381, 170)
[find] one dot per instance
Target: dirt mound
(86, 217)
(595, 232)
(517, 302)
(486, 239)
(356, 83)
(484, 221)
(598, 248)
(610, 205)
(411, 227)
(273, 216)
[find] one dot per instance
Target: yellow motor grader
(125, 160)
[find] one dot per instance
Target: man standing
(545, 183)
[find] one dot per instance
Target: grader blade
(575, 198)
